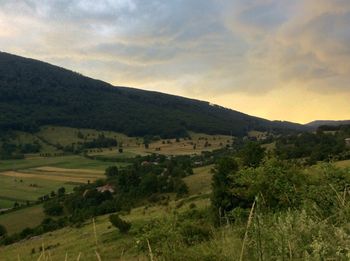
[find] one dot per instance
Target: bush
(3, 231)
(193, 233)
(122, 225)
(192, 205)
(112, 171)
(53, 208)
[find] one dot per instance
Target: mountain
(318, 123)
(34, 93)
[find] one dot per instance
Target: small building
(105, 188)
(145, 163)
(347, 141)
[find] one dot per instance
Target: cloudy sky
(278, 59)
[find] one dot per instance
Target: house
(105, 188)
(347, 142)
(145, 163)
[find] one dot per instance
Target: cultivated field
(33, 177)
(68, 162)
(23, 187)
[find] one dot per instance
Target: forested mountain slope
(34, 93)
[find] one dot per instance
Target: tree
(61, 191)
(180, 187)
(53, 194)
(3, 231)
(252, 154)
(53, 208)
(149, 184)
(112, 171)
(122, 225)
(279, 184)
(222, 199)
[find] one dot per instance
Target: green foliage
(119, 223)
(296, 235)
(315, 147)
(327, 196)
(180, 187)
(100, 142)
(222, 199)
(252, 154)
(175, 231)
(47, 225)
(3, 231)
(9, 150)
(112, 171)
(29, 148)
(149, 184)
(193, 233)
(53, 208)
(61, 191)
(277, 184)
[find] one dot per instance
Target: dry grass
(200, 182)
(75, 171)
(343, 164)
(50, 176)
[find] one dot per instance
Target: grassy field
(30, 184)
(18, 220)
(111, 245)
(113, 154)
(47, 174)
(20, 188)
(67, 136)
(343, 164)
(24, 137)
(195, 145)
(134, 145)
(69, 162)
(200, 182)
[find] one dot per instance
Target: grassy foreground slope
(111, 245)
(179, 230)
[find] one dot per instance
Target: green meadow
(18, 220)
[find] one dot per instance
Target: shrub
(53, 208)
(112, 171)
(193, 233)
(192, 205)
(3, 231)
(122, 225)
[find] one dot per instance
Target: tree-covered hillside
(33, 93)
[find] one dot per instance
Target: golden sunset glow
(285, 60)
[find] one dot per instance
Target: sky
(276, 59)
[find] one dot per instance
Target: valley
(92, 171)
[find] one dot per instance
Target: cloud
(199, 48)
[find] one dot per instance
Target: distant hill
(34, 93)
(319, 123)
